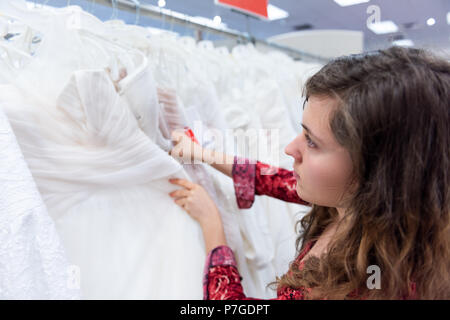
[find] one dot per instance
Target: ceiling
(409, 15)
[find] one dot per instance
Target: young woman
(373, 161)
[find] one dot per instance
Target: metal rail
(172, 17)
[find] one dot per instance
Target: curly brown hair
(392, 116)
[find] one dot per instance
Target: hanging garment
(105, 184)
(33, 264)
(104, 181)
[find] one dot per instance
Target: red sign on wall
(256, 8)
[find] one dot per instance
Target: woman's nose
(293, 149)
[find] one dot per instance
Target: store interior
(89, 161)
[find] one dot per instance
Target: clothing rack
(186, 21)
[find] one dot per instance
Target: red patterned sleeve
(262, 179)
(222, 281)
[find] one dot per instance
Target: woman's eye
(311, 144)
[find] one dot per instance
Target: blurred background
(324, 27)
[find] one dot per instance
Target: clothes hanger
(12, 59)
(20, 34)
(92, 7)
(18, 11)
(114, 10)
(8, 48)
(137, 4)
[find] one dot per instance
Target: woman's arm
(191, 152)
(248, 178)
(219, 161)
(221, 280)
(262, 179)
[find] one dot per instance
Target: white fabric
(102, 178)
(198, 99)
(105, 184)
(100, 159)
(33, 264)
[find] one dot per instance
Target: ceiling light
(346, 3)
(383, 27)
(209, 22)
(403, 43)
(161, 3)
(32, 5)
(431, 22)
(217, 20)
(275, 13)
(448, 17)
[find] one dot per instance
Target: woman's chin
(299, 191)
(302, 194)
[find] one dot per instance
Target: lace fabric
(33, 264)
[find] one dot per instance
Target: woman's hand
(191, 152)
(194, 199)
(186, 149)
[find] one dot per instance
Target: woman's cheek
(323, 180)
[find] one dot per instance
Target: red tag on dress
(190, 134)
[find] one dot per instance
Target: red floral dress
(262, 179)
(221, 280)
(221, 277)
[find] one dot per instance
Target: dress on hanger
(104, 181)
(33, 264)
(105, 184)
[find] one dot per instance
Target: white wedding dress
(105, 184)
(95, 159)
(33, 264)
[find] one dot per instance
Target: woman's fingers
(180, 193)
(182, 197)
(182, 183)
(177, 135)
(176, 138)
(194, 199)
(181, 202)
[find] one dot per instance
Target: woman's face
(323, 167)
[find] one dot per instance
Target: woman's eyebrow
(311, 134)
